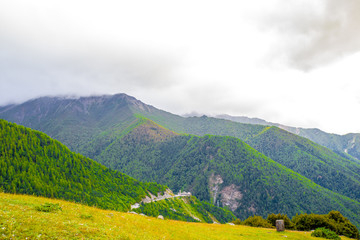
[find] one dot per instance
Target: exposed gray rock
(230, 196)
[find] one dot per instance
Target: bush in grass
(307, 222)
(48, 207)
(86, 216)
(343, 225)
(257, 221)
(237, 222)
(325, 233)
(271, 218)
(333, 221)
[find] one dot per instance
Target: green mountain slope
(74, 122)
(309, 159)
(221, 170)
(92, 126)
(33, 163)
(335, 172)
(347, 145)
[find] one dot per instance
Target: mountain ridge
(110, 120)
(204, 166)
(105, 118)
(341, 144)
(33, 163)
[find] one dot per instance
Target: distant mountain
(313, 161)
(74, 122)
(117, 131)
(221, 170)
(345, 145)
(89, 125)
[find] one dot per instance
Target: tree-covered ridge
(33, 163)
(215, 167)
(347, 146)
(317, 163)
(94, 126)
(89, 125)
(188, 209)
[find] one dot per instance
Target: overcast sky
(294, 62)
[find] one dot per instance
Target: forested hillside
(313, 161)
(33, 163)
(221, 170)
(347, 145)
(115, 130)
(309, 159)
(89, 125)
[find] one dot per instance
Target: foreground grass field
(20, 220)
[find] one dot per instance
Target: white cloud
(315, 33)
(206, 56)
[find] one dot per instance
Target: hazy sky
(286, 61)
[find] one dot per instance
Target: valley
(242, 169)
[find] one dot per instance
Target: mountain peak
(151, 131)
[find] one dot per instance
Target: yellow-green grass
(20, 220)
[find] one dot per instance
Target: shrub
(86, 216)
(307, 222)
(237, 222)
(257, 221)
(271, 218)
(333, 221)
(48, 207)
(349, 230)
(337, 217)
(344, 226)
(325, 233)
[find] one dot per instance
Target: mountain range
(347, 145)
(249, 169)
(33, 163)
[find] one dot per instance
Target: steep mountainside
(309, 159)
(74, 122)
(221, 170)
(315, 162)
(33, 163)
(93, 126)
(345, 145)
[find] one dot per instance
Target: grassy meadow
(19, 219)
